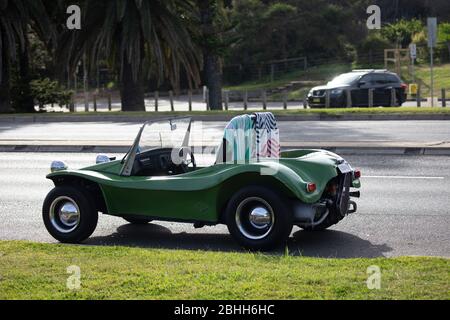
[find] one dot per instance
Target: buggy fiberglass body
(259, 196)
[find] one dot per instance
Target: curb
(413, 151)
(213, 118)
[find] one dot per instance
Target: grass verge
(39, 271)
(441, 78)
(320, 73)
(297, 112)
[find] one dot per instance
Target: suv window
(390, 78)
(368, 79)
(378, 78)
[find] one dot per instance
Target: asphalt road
(212, 132)
(404, 210)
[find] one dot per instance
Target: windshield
(345, 79)
(169, 133)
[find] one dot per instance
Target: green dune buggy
(158, 179)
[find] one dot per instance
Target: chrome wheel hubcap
(64, 214)
(260, 218)
(255, 218)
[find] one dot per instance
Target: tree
(401, 32)
(210, 44)
(139, 38)
(444, 34)
(279, 18)
(15, 18)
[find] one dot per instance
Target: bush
(371, 50)
(46, 91)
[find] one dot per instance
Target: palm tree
(140, 38)
(212, 31)
(212, 75)
(15, 18)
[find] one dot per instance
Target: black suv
(359, 82)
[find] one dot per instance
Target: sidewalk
(360, 147)
(364, 137)
(141, 117)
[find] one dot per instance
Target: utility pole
(85, 84)
(413, 55)
(432, 41)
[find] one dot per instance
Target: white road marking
(403, 177)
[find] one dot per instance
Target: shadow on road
(323, 244)
(334, 244)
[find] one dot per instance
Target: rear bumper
(335, 209)
(340, 101)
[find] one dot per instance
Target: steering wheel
(180, 159)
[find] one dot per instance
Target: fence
(269, 70)
(292, 92)
(251, 100)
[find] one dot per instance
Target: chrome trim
(64, 214)
(102, 158)
(315, 223)
(256, 223)
(260, 217)
(58, 166)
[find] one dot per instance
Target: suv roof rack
(370, 70)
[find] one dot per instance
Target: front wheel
(69, 214)
(258, 218)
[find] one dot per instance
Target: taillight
(357, 174)
(311, 187)
(404, 86)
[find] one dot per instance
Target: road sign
(413, 50)
(432, 32)
(413, 88)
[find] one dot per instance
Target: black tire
(248, 199)
(142, 220)
(88, 215)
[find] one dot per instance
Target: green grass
(39, 271)
(320, 73)
(297, 112)
(441, 78)
(294, 95)
(325, 73)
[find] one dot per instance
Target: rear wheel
(142, 220)
(69, 214)
(258, 219)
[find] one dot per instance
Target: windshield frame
(130, 156)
